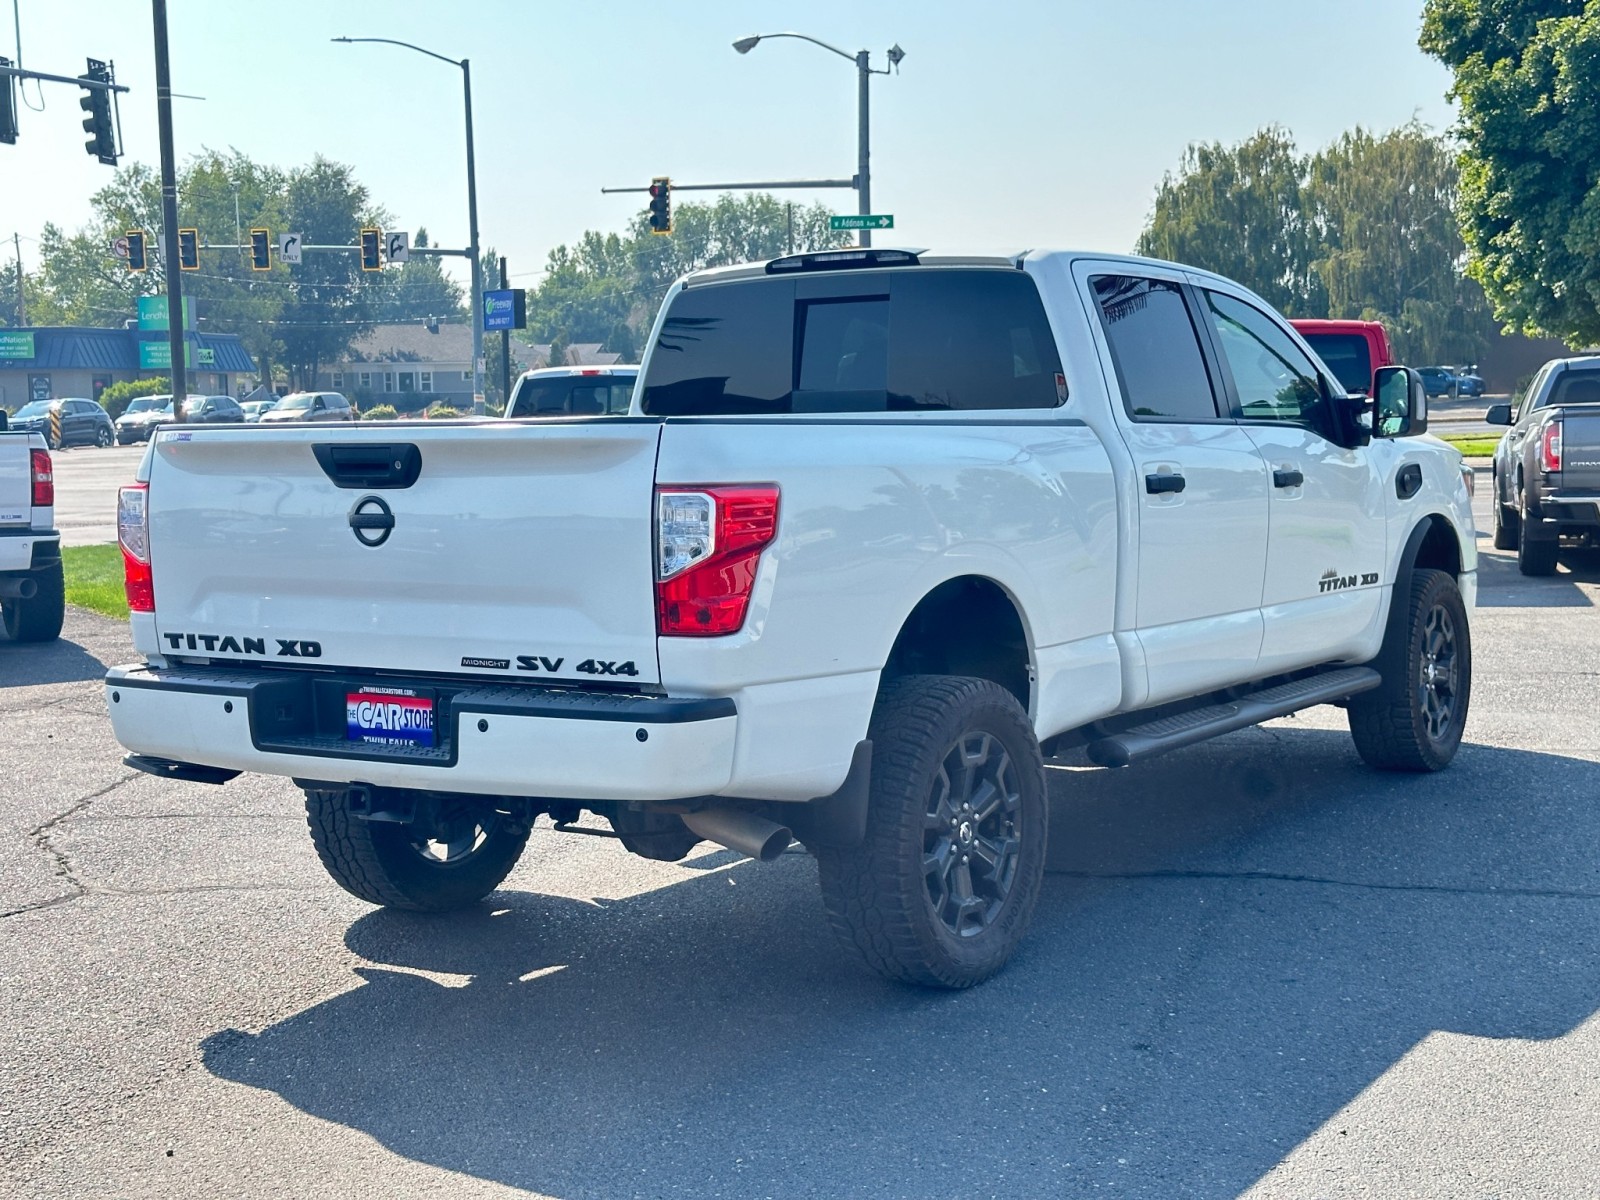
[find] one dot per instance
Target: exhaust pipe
(18, 589)
(747, 833)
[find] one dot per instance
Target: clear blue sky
(1012, 123)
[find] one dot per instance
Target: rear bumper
(1560, 513)
(26, 550)
(498, 741)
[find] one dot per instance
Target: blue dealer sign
(505, 310)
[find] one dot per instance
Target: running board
(1185, 729)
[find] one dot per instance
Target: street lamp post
(864, 71)
(472, 213)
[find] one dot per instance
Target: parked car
(83, 422)
(1547, 466)
(1352, 350)
(1469, 382)
(213, 410)
(145, 413)
(310, 406)
(254, 408)
(886, 529)
(573, 392)
(32, 590)
(1439, 381)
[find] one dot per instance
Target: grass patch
(1473, 445)
(94, 579)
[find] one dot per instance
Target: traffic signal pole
(169, 214)
(863, 139)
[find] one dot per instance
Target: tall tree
(1383, 211)
(1527, 87)
(1238, 211)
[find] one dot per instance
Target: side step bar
(1185, 729)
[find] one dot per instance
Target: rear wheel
(1507, 523)
(102, 437)
(1413, 720)
(1535, 557)
(456, 853)
(942, 888)
(38, 619)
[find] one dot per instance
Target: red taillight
(708, 545)
(44, 480)
(133, 535)
(1550, 447)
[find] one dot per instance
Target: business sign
(157, 356)
(865, 221)
(16, 343)
(505, 309)
(153, 312)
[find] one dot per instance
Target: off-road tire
(1535, 557)
(1391, 723)
(876, 895)
(375, 861)
(38, 619)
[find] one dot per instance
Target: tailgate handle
(372, 465)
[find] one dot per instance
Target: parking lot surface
(1258, 968)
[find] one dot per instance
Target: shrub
(442, 412)
(115, 398)
(380, 412)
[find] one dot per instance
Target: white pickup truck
(32, 591)
(881, 531)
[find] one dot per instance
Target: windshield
(295, 403)
(1347, 357)
(37, 408)
(141, 404)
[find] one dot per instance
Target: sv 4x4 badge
(550, 666)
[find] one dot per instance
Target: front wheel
(456, 853)
(102, 437)
(942, 888)
(1414, 719)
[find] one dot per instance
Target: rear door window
(576, 395)
(1155, 349)
(892, 341)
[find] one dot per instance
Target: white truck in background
(32, 590)
(881, 531)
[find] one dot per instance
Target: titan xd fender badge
(372, 520)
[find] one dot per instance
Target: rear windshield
(577, 395)
(1348, 357)
(885, 341)
(1576, 387)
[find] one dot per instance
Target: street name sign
(864, 221)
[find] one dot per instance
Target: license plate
(389, 716)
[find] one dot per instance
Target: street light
(864, 70)
(472, 214)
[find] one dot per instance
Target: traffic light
(8, 108)
(371, 240)
(136, 259)
(661, 205)
(188, 249)
(96, 101)
(260, 250)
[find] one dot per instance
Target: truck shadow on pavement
(31, 664)
(1501, 585)
(1234, 942)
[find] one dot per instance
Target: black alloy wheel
(1439, 672)
(971, 844)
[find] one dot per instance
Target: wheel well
(965, 626)
(1439, 550)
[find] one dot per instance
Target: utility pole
(505, 345)
(22, 308)
(169, 214)
(477, 251)
(863, 140)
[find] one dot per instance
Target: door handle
(1287, 479)
(1158, 484)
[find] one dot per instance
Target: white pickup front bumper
(493, 740)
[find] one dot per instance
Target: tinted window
(1273, 377)
(1348, 356)
(1577, 387)
(577, 394)
(1155, 349)
(930, 339)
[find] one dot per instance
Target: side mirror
(1402, 403)
(1498, 414)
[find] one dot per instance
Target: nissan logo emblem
(372, 521)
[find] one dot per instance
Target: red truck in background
(1353, 350)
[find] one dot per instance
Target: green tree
(1383, 210)
(1527, 87)
(1239, 211)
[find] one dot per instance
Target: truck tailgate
(1580, 450)
(16, 479)
(518, 552)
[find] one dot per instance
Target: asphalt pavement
(87, 479)
(1258, 968)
